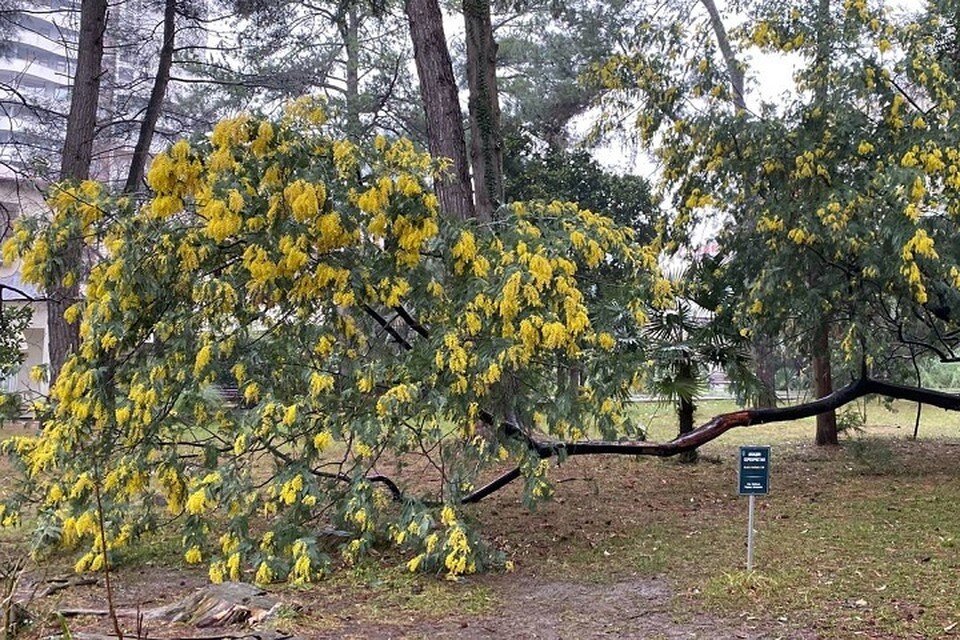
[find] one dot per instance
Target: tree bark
(734, 71)
(444, 119)
(82, 119)
(75, 166)
(820, 348)
(486, 137)
(685, 409)
(350, 32)
(823, 384)
(764, 357)
(157, 95)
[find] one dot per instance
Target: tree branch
(719, 425)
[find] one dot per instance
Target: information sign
(754, 471)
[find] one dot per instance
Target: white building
(36, 65)
(18, 197)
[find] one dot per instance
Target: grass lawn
(856, 541)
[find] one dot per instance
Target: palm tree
(687, 341)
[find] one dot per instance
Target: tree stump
(220, 605)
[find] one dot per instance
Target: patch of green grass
(866, 556)
(744, 586)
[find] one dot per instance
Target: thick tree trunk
(82, 120)
(75, 165)
(823, 383)
(438, 90)
(157, 95)
(486, 138)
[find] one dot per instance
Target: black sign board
(754, 471)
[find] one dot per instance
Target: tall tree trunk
(438, 90)
(486, 138)
(157, 95)
(733, 67)
(82, 119)
(75, 165)
(823, 380)
(823, 383)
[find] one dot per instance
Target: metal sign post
(753, 480)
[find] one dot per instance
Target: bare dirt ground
(529, 609)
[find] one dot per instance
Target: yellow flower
(344, 157)
(301, 570)
(197, 502)
(320, 382)
(414, 563)
(918, 190)
(554, 335)
(291, 489)
(264, 574)
(193, 555)
(920, 244)
(204, 356)
(264, 137)
(448, 516)
(464, 251)
(322, 440)
(541, 270)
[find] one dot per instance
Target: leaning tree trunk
(157, 95)
(823, 384)
(711, 430)
(717, 426)
(438, 90)
(761, 346)
(486, 138)
(75, 166)
(733, 66)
